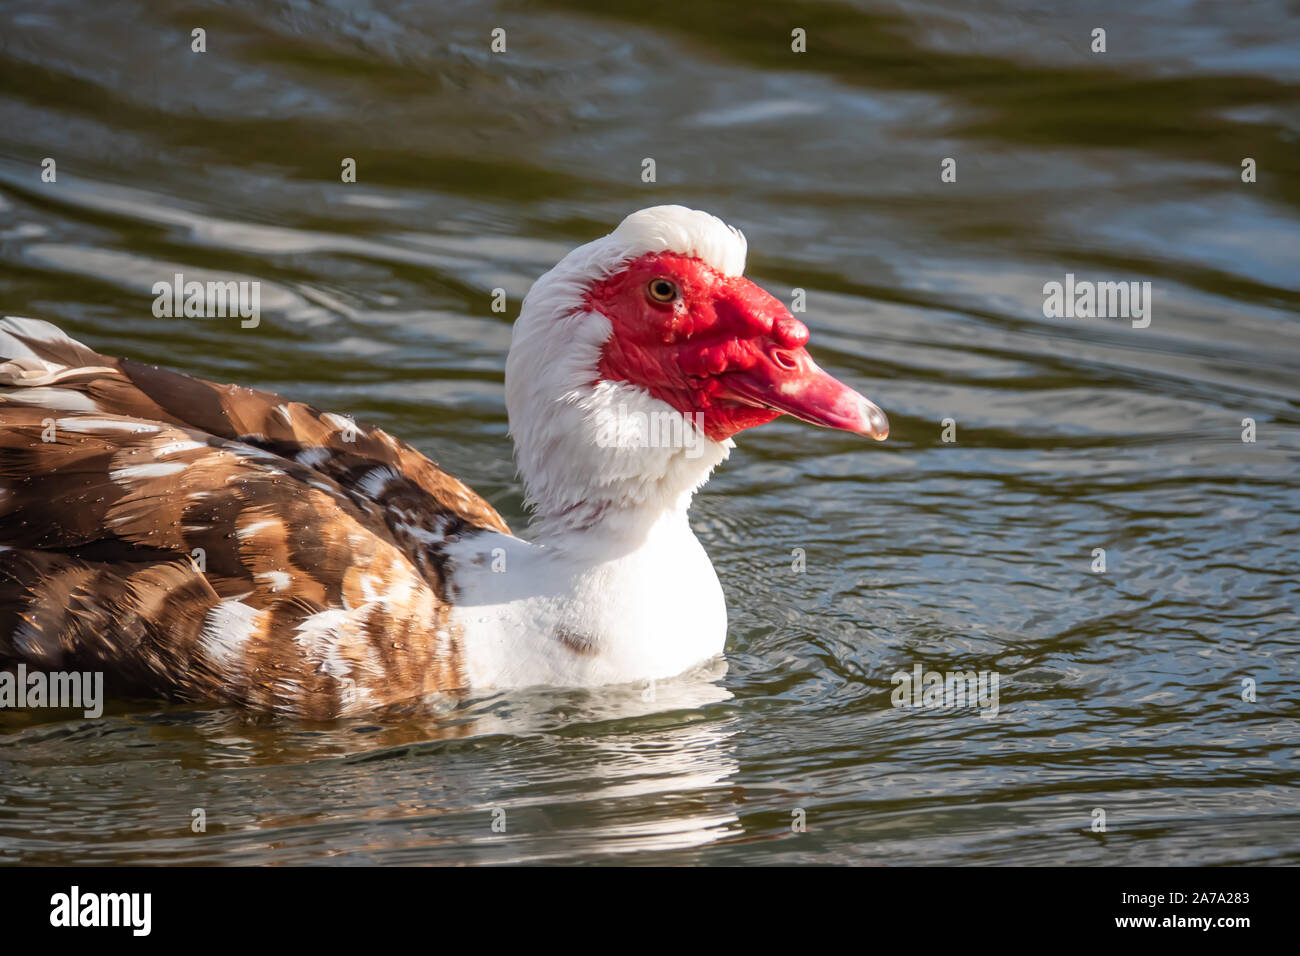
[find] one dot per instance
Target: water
(1119, 690)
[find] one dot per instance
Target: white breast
(609, 609)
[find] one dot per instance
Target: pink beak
(788, 380)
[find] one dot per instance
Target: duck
(223, 545)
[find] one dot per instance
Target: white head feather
(573, 474)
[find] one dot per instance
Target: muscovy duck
(220, 544)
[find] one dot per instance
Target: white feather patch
(248, 530)
(275, 580)
(105, 425)
(157, 470)
(376, 480)
(171, 448)
(227, 629)
(64, 399)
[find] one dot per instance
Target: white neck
(614, 588)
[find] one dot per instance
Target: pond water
(1119, 690)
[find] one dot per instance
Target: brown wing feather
(70, 375)
(216, 543)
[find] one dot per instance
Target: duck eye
(662, 290)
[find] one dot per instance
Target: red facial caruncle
(718, 346)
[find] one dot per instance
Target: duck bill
(790, 382)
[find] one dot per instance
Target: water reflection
(472, 781)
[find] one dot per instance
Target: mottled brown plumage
(217, 543)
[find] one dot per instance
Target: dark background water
(1120, 690)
